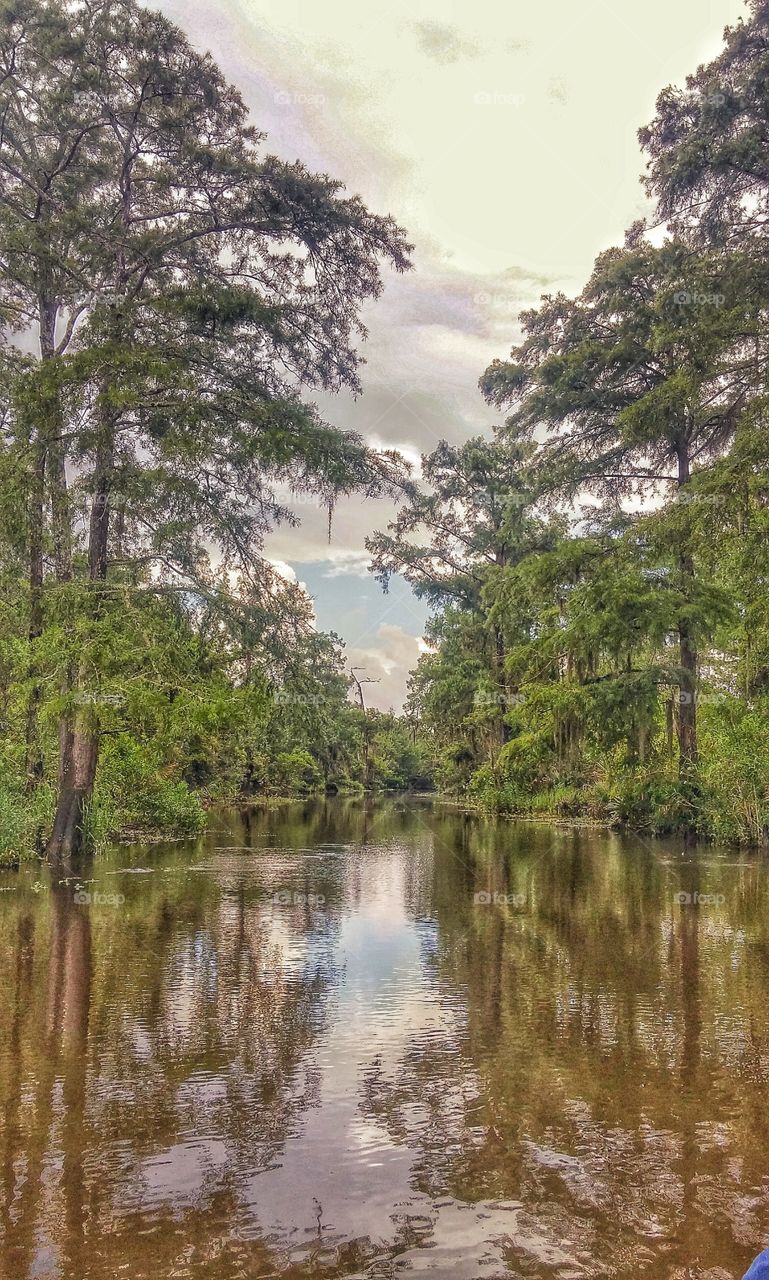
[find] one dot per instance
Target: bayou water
(382, 1038)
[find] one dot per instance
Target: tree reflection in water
(380, 1072)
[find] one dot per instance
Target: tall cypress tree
(638, 383)
(209, 284)
(707, 148)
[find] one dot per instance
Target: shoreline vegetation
(559, 807)
(597, 570)
(141, 796)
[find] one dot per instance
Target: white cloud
(511, 160)
(388, 660)
(283, 569)
(347, 562)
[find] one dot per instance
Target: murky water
(303, 1048)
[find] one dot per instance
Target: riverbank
(25, 818)
(655, 804)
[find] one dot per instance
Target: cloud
(284, 570)
(387, 660)
(355, 563)
(478, 149)
(443, 43)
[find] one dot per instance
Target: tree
(453, 690)
(707, 145)
(212, 283)
(640, 382)
(476, 513)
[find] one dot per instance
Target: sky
(502, 135)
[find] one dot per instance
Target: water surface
(307, 1047)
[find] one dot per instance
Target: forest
(597, 570)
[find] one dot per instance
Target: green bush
(734, 745)
(495, 794)
(648, 800)
(133, 795)
(23, 820)
(296, 773)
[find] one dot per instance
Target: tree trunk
(669, 726)
(500, 663)
(80, 742)
(249, 783)
(34, 755)
(36, 410)
(687, 712)
(687, 649)
(75, 791)
(500, 659)
(61, 526)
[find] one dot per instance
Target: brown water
(373, 1074)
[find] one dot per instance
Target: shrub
(133, 795)
(23, 820)
(734, 772)
(296, 772)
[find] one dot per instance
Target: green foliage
(598, 571)
(401, 758)
(24, 819)
(136, 796)
(186, 290)
(295, 772)
(624, 661)
(614, 667)
(648, 799)
(735, 771)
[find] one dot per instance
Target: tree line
(171, 297)
(599, 570)
(169, 293)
